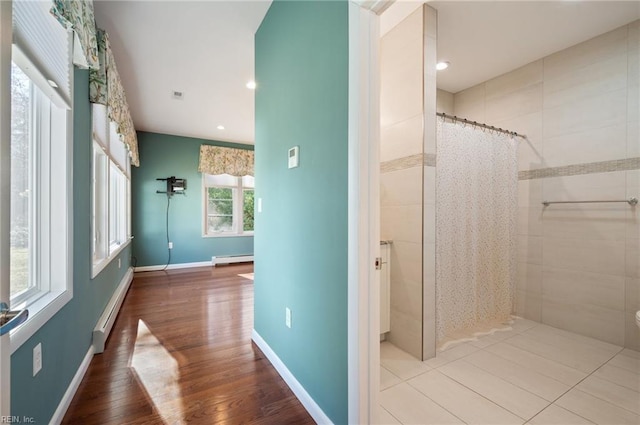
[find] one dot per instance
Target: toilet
(638, 318)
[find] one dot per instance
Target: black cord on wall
(167, 231)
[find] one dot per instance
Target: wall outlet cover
(37, 359)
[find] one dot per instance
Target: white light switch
(294, 159)
(259, 205)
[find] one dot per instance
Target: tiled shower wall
(578, 264)
(401, 143)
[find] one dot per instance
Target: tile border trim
(429, 160)
(578, 169)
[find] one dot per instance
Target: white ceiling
(205, 50)
(201, 48)
(485, 39)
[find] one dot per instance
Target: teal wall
(301, 236)
(161, 156)
(66, 337)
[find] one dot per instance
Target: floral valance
(105, 88)
(219, 160)
(77, 15)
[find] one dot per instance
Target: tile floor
(532, 374)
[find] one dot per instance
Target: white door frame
(5, 194)
(364, 211)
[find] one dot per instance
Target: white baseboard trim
(58, 415)
(312, 407)
(172, 266)
(110, 313)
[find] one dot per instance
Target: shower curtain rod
(477, 124)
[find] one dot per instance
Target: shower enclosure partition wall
(408, 143)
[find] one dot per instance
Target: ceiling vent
(178, 95)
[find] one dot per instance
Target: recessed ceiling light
(442, 65)
(52, 84)
(251, 85)
(220, 127)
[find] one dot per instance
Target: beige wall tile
(601, 144)
(530, 250)
(632, 332)
(445, 102)
(591, 80)
(401, 83)
(406, 333)
(406, 263)
(404, 300)
(584, 187)
(529, 221)
(525, 101)
(600, 48)
(584, 288)
(632, 258)
(633, 139)
(529, 306)
(592, 321)
(529, 278)
(632, 294)
(402, 223)
(599, 256)
(595, 112)
(515, 80)
(402, 187)
(586, 221)
(401, 139)
(530, 193)
(470, 103)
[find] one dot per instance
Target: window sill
(40, 312)
(230, 235)
(102, 264)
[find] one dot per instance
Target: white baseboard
(110, 313)
(58, 415)
(312, 407)
(172, 266)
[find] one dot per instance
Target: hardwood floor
(181, 352)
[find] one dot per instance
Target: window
(40, 246)
(228, 204)
(40, 153)
(111, 192)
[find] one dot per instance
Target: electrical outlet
(287, 317)
(170, 245)
(259, 205)
(37, 359)
(119, 263)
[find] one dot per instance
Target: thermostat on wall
(293, 157)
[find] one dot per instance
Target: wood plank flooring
(180, 352)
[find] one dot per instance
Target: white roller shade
(46, 45)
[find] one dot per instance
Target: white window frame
(238, 208)
(51, 236)
(109, 155)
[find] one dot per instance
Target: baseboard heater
(228, 259)
(106, 321)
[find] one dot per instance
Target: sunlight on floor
(158, 373)
(246, 275)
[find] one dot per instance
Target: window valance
(105, 88)
(77, 15)
(219, 160)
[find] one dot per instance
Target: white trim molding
(110, 313)
(172, 266)
(58, 415)
(309, 403)
(363, 217)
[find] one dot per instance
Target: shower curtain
(476, 213)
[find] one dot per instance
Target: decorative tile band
(429, 160)
(577, 169)
(401, 163)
